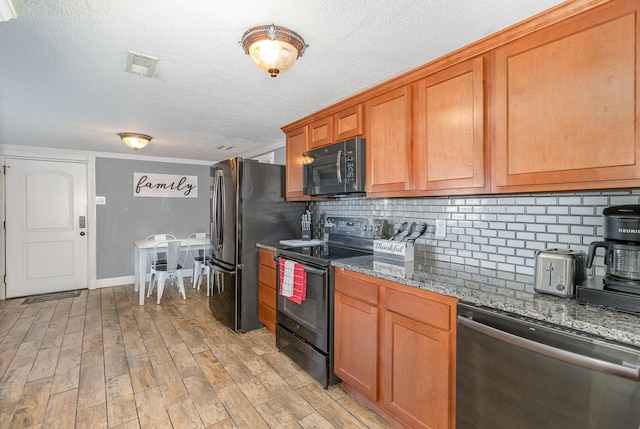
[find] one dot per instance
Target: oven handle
(307, 268)
(316, 271)
(632, 372)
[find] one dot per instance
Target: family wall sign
(165, 185)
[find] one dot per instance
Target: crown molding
(7, 11)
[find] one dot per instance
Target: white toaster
(558, 271)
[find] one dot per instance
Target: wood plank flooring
(102, 361)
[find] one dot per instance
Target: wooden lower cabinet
(356, 333)
(416, 355)
(267, 289)
(395, 349)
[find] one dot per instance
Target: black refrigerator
(247, 206)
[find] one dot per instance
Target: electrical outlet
(441, 228)
(101, 201)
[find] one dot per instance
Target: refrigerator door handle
(219, 273)
(217, 236)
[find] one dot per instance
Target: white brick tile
(558, 229)
(494, 232)
(558, 210)
(548, 238)
(572, 220)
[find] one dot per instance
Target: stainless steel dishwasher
(518, 373)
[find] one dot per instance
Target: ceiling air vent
(143, 65)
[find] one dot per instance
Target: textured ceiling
(63, 84)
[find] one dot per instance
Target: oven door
(310, 319)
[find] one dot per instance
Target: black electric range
(342, 238)
(304, 327)
(320, 254)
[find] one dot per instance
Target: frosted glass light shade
(273, 49)
(134, 140)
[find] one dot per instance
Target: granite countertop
(273, 246)
(500, 290)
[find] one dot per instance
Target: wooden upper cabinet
(297, 143)
(341, 126)
(388, 134)
(449, 130)
(565, 103)
(349, 123)
(321, 133)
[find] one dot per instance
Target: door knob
(82, 233)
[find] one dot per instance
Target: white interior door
(46, 212)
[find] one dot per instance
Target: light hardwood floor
(102, 361)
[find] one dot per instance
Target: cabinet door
(297, 141)
(566, 103)
(388, 125)
(356, 344)
(415, 372)
(349, 123)
(356, 332)
(449, 126)
(267, 289)
(321, 133)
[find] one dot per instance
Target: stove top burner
(345, 237)
(321, 254)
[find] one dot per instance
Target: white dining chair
(200, 257)
(176, 252)
(160, 237)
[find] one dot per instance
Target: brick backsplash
(500, 232)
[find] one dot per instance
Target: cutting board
(301, 243)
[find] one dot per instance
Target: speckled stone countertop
(502, 290)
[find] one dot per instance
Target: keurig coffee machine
(620, 287)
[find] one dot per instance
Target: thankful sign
(165, 185)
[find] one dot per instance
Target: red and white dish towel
(293, 281)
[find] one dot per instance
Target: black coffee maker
(622, 248)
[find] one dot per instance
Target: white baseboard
(128, 280)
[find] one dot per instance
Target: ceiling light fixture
(7, 11)
(134, 140)
(274, 49)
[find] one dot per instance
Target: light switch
(441, 228)
(101, 201)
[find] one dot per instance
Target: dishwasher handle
(631, 373)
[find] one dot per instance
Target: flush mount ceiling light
(7, 11)
(134, 140)
(274, 49)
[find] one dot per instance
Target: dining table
(142, 250)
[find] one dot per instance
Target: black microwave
(334, 170)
